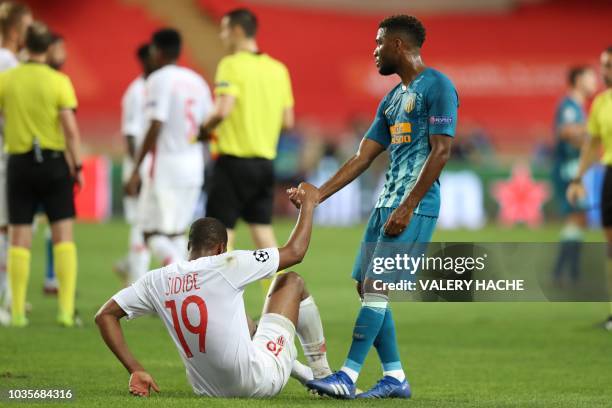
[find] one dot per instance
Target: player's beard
(386, 69)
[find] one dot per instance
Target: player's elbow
(101, 316)
(293, 254)
(443, 153)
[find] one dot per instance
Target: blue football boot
(336, 385)
(388, 387)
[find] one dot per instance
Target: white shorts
(3, 197)
(166, 210)
(274, 342)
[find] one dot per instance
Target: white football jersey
(133, 122)
(7, 59)
(201, 303)
(180, 99)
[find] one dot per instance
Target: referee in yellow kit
(37, 102)
(253, 102)
(600, 128)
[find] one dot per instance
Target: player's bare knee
(292, 279)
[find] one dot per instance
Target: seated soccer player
(201, 303)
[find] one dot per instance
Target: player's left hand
(398, 221)
(133, 184)
(141, 383)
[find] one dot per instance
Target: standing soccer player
(416, 122)
(570, 132)
(600, 129)
(15, 18)
(253, 103)
(177, 101)
(38, 103)
(133, 127)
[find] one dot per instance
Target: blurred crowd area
(507, 58)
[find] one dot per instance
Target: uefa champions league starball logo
(261, 255)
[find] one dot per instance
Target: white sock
(397, 374)
(4, 287)
(301, 372)
(163, 249)
(139, 257)
(310, 332)
(180, 246)
(353, 375)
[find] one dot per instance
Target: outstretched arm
(293, 252)
(107, 320)
(367, 152)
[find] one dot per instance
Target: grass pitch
(455, 354)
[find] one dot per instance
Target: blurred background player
(14, 21)
(223, 355)
(408, 206)
(56, 58)
(600, 128)
(571, 132)
(43, 165)
(177, 101)
(133, 128)
(253, 102)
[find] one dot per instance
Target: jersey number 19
(199, 329)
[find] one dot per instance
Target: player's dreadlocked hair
(404, 24)
(206, 233)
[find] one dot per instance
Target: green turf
(455, 354)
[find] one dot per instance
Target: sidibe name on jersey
(182, 283)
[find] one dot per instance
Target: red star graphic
(520, 198)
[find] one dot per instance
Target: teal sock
(386, 344)
(368, 324)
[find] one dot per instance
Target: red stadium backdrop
(509, 68)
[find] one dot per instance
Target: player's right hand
(141, 383)
(133, 185)
(304, 192)
(308, 193)
(575, 192)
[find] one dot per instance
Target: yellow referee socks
(18, 267)
(65, 257)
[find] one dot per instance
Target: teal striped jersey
(405, 119)
(566, 155)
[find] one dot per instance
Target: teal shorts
(412, 240)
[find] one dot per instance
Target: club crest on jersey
(410, 102)
(261, 255)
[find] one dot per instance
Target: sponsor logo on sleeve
(440, 120)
